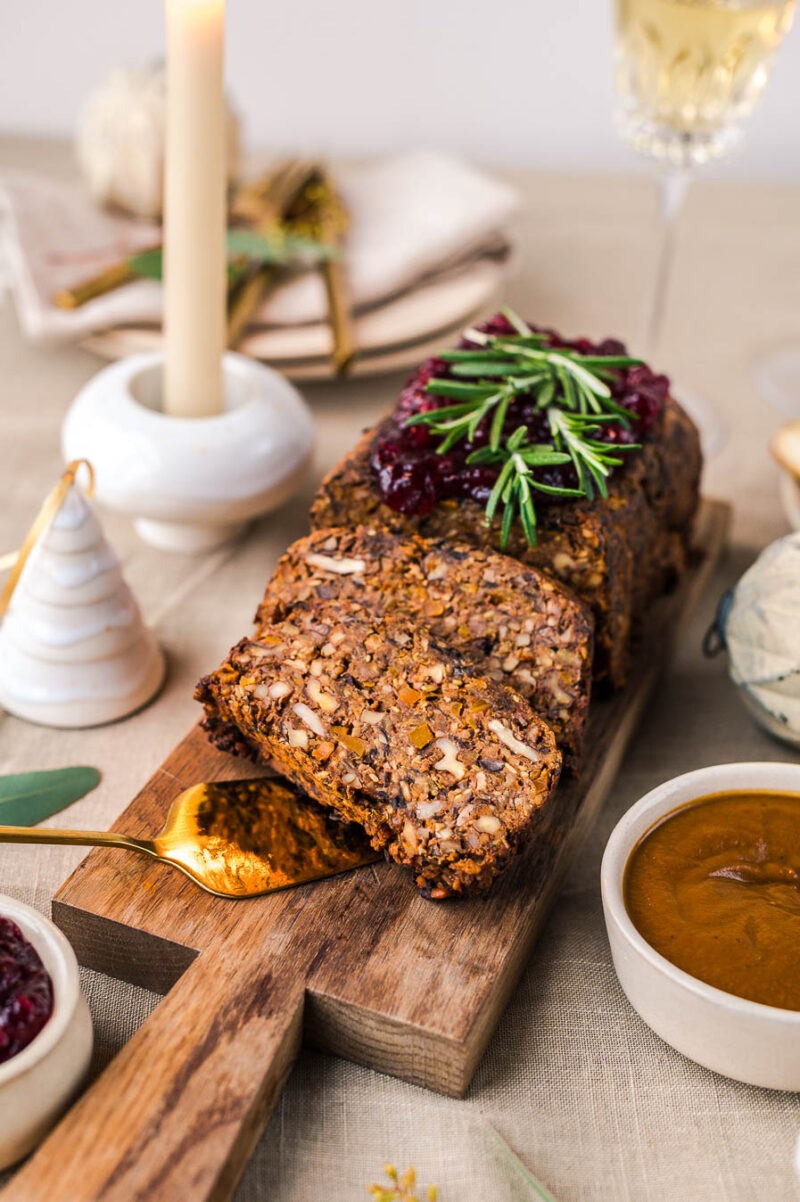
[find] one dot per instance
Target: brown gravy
(715, 888)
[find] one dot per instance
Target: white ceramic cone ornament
(74, 650)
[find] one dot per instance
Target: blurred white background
(508, 82)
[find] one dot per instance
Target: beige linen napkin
(413, 216)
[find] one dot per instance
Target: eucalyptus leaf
(29, 797)
(274, 250)
(277, 248)
(147, 264)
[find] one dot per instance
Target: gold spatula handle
(26, 834)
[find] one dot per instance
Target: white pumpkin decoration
(120, 140)
(759, 624)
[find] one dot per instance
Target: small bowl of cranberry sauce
(412, 477)
(45, 1028)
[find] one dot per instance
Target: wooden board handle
(177, 1113)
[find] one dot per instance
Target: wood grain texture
(178, 1112)
(408, 987)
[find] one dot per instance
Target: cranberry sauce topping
(26, 991)
(411, 477)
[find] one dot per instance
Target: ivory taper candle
(194, 209)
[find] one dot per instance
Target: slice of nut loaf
(447, 771)
(517, 625)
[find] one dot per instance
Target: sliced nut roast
(418, 769)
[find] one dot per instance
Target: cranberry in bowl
(45, 1028)
(26, 991)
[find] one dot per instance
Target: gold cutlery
(319, 213)
(269, 194)
(263, 205)
(236, 839)
(98, 285)
(313, 209)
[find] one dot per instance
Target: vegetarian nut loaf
(447, 771)
(617, 552)
(517, 625)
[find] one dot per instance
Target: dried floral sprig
(400, 1189)
(568, 388)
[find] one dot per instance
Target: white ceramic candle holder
(190, 484)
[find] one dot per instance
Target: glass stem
(672, 188)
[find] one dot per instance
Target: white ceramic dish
(37, 1083)
(750, 1042)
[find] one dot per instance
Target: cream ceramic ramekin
(37, 1084)
(746, 1040)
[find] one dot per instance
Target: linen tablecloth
(594, 1104)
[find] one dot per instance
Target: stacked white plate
(392, 336)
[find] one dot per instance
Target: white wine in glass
(688, 72)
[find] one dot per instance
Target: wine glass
(688, 72)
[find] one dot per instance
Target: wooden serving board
(359, 965)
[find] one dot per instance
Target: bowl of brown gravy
(701, 897)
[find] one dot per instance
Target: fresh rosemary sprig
(591, 458)
(515, 482)
(569, 389)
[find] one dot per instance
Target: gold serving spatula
(239, 838)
